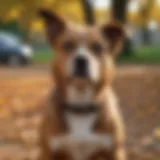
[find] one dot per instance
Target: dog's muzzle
(80, 67)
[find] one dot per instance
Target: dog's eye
(68, 46)
(96, 47)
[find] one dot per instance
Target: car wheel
(14, 61)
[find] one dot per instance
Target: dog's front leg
(45, 152)
(112, 145)
(119, 140)
(120, 153)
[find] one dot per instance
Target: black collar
(76, 108)
(80, 109)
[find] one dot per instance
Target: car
(13, 52)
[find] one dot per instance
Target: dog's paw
(56, 143)
(61, 142)
(104, 141)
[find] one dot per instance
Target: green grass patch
(43, 57)
(145, 55)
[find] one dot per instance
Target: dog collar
(75, 108)
(80, 109)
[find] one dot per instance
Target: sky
(101, 3)
(133, 5)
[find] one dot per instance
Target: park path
(22, 90)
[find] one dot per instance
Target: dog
(82, 119)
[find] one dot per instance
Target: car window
(8, 41)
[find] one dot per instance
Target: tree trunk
(119, 9)
(119, 13)
(88, 12)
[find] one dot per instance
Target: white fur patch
(81, 125)
(79, 97)
(81, 128)
(81, 133)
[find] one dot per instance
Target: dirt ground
(22, 90)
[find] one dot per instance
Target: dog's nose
(81, 66)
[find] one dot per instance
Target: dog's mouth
(80, 82)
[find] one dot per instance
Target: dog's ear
(54, 25)
(114, 35)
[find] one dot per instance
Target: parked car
(13, 52)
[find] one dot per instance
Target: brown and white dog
(82, 121)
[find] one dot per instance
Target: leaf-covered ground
(22, 91)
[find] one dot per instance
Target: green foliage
(11, 26)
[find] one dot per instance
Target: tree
(27, 16)
(119, 10)
(88, 12)
(27, 12)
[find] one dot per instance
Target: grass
(43, 57)
(143, 55)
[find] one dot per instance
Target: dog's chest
(80, 125)
(81, 140)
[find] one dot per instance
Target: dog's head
(84, 54)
